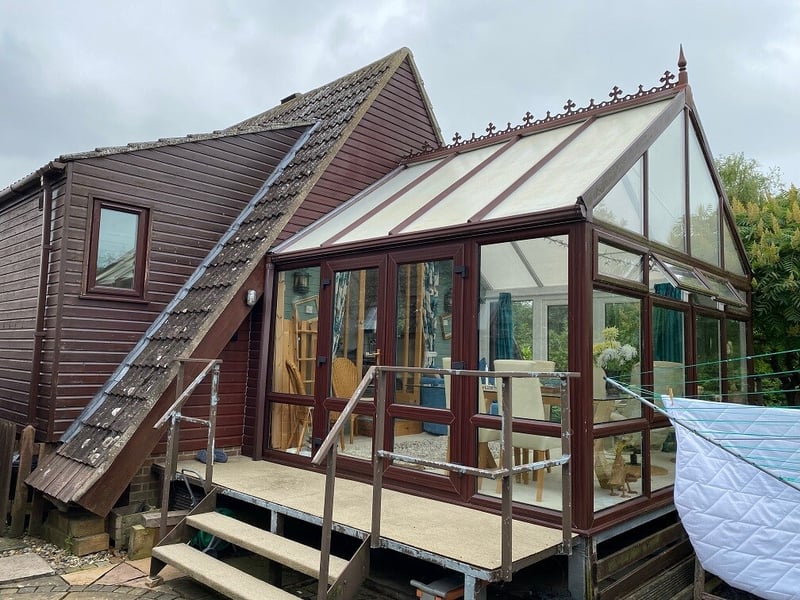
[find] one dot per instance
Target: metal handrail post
(507, 451)
(566, 468)
(212, 428)
(377, 460)
(327, 525)
(169, 470)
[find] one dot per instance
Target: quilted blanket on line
(742, 519)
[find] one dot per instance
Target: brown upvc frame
(141, 262)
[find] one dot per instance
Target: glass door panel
(424, 318)
(354, 348)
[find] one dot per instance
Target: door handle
(321, 360)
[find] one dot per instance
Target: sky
(85, 74)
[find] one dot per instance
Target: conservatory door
(405, 322)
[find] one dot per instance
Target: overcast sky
(79, 75)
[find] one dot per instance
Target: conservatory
(596, 241)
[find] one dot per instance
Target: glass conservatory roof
(516, 176)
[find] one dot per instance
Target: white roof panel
(565, 176)
(580, 163)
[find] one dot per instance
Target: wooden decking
(456, 537)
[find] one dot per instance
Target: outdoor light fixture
(250, 297)
(301, 280)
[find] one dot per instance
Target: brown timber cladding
(20, 243)
(194, 191)
(396, 123)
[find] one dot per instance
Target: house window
(118, 250)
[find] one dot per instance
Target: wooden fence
(17, 508)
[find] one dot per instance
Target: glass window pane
(708, 358)
(666, 187)
(662, 458)
(703, 206)
(290, 428)
(623, 205)
(424, 323)
(736, 361)
(617, 469)
(733, 263)
(722, 291)
(557, 335)
(618, 263)
(668, 355)
(685, 277)
(295, 342)
(116, 249)
(519, 281)
(616, 350)
(354, 320)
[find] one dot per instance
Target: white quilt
(744, 524)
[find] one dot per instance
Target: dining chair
(528, 404)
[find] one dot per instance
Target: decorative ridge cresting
(616, 97)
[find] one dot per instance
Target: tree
(768, 219)
(744, 179)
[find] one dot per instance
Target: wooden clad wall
(396, 123)
(256, 322)
(20, 248)
(194, 191)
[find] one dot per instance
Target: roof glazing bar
(399, 193)
(458, 182)
(478, 216)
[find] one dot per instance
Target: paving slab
(86, 576)
(7, 543)
(121, 573)
(23, 566)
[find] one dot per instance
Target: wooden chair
(345, 378)
(298, 388)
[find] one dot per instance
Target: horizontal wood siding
(396, 123)
(232, 391)
(194, 192)
(20, 249)
(251, 399)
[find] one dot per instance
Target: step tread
(227, 580)
(294, 555)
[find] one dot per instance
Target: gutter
(29, 180)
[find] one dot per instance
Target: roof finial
(683, 76)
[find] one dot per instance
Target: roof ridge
(296, 100)
(178, 140)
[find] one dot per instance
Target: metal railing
(506, 472)
(174, 416)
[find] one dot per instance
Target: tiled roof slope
(106, 426)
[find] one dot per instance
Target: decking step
(227, 580)
(294, 555)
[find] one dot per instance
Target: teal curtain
(504, 328)
(667, 327)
